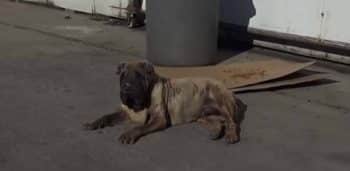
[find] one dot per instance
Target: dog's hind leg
(231, 130)
(231, 133)
(215, 124)
(107, 121)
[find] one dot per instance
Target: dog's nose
(126, 86)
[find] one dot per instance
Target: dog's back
(187, 96)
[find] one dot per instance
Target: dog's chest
(135, 117)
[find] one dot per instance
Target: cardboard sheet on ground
(238, 75)
(281, 83)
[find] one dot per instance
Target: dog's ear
(121, 68)
(148, 67)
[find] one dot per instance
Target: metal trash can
(182, 32)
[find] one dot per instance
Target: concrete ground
(56, 74)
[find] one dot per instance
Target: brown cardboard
(282, 83)
(238, 74)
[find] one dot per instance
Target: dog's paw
(231, 137)
(89, 127)
(98, 124)
(217, 135)
(93, 126)
(129, 137)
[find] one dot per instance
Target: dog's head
(136, 84)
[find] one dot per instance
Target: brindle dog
(157, 103)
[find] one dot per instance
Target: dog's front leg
(107, 120)
(157, 121)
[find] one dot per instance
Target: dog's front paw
(89, 126)
(99, 124)
(129, 137)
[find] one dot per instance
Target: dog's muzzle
(132, 100)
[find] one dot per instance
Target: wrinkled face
(136, 83)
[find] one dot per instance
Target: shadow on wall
(235, 16)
